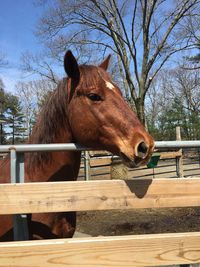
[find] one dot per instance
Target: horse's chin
(132, 162)
(128, 161)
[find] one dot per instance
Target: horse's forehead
(106, 81)
(109, 85)
(100, 79)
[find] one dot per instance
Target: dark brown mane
(92, 75)
(53, 116)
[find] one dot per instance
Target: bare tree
(186, 88)
(40, 65)
(31, 95)
(158, 98)
(192, 29)
(173, 99)
(177, 83)
(142, 34)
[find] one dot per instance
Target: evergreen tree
(11, 118)
(3, 106)
(16, 121)
(174, 115)
(194, 125)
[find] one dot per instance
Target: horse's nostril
(142, 147)
(142, 150)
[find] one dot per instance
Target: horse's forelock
(91, 76)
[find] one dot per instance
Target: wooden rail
(170, 155)
(98, 195)
(124, 251)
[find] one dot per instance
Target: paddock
(133, 250)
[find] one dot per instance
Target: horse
(88, 108)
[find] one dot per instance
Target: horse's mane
(53, 115)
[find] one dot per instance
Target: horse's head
(100, 118)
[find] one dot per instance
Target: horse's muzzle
(141, 157)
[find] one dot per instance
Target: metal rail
(77, 147)
(177, 144)
(43, 147)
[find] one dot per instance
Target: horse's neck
(65, 169)
(5, 170)
(63, 166)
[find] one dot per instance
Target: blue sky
(17, 24)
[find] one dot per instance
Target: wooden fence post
(179, 159)
(179, 167)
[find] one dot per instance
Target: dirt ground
(142, 221)
(149, 221)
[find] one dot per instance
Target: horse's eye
(94, 97)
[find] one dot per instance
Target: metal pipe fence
(77, 147)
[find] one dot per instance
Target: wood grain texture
(96, 162)
(98, 195)
(170, 155)
(158, 171)
(126, 251)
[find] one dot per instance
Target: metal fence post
(87, 165)
(20, 224)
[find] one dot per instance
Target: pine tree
(3, 106)
(176, 115)
(16, 119)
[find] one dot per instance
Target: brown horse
(86, 108)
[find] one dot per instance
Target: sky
(18, 19)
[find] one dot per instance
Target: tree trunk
(13, 133)
(139, 103)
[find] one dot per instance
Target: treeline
(174, 100)
(18, 111)
(12, 119)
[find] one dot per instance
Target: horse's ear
(71, 66)
(105, 63)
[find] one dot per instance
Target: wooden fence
(134, 250)
(101, 166)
